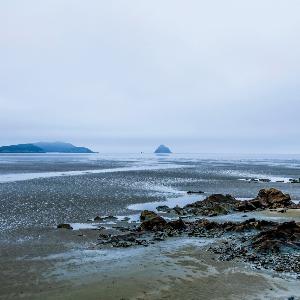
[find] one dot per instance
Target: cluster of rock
(259, 180)
(109, 238)
(291, 180)
(219, 204)
(250, 240)
(214, 205)
(294, 180)
(275, 247)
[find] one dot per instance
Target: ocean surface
(39, 191)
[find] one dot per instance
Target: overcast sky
(199, 76)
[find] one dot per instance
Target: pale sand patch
(293, 214)
(189, 272)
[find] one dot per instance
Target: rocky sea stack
(162, 149)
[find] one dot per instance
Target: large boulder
(273, 198)
(266, 198)
(157, 223)
(214, 205)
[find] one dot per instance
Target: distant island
(162, 149)
(44, 147)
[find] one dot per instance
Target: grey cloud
(204, 76)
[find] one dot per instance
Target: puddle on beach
(181, 201)
(74, 263)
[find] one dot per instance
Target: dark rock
(159, 236)
(246, 206)
(105, 218)
(64, 226)
(266, 198)
(156, 223)
(194, 192)
(273, 198)
(216, 204)
(147, 215)
(177, 224)
(248, 225)
(179, 210)
(163, 208)
(264, 180)
(284, 235)
(110, 217)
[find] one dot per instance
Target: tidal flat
(40, 261)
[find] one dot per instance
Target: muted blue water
(15, 167)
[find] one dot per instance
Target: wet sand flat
(166, 271)
(39, 261)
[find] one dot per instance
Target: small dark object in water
(64, 226)
(264, 180)
(163, 208)
(195, 192)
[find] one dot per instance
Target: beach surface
(40, 261)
